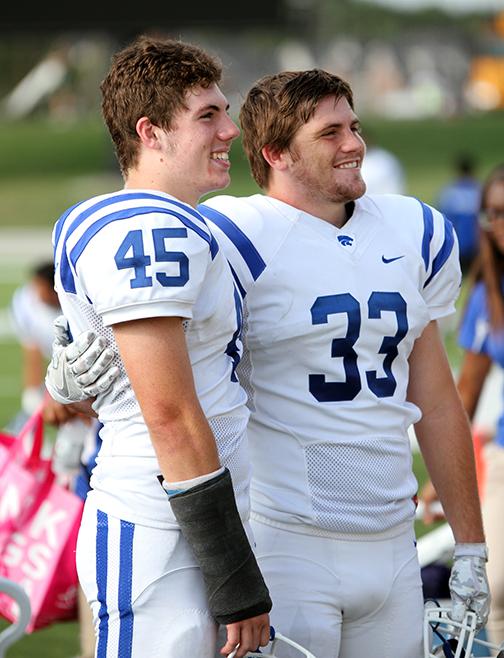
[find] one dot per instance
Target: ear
(147, 132)
(276, 158)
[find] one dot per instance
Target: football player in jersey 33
(342, 353)
(163, 552)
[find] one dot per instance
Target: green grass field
(45, 168)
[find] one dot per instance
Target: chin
(351, 192)
(223, 182)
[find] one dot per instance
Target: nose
(228, 130)
(353, 142)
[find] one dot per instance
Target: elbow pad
(210, 522)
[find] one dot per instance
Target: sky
(455, 6)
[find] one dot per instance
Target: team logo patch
(345, 240)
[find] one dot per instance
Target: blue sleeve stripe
(247, 250)
(110, 200)
(125, 590)
(66, 274)
(427, 234)
(60, 223)
(214, 247)
(101, 582)
(127, 213)
(241, 289)
(444, 253)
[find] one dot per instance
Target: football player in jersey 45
(163, 552)
(342, 354)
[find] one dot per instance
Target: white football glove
(468, 583)
(81, 369)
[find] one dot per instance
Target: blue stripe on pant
(125, 586)
(101, 581)
(125, 582)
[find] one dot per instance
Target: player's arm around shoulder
(201, 494)
(444, 435)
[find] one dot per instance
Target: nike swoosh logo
(391, 260)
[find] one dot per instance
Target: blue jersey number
(382, 387)
(138, 260)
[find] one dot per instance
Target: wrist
(479, 549)
(173, 488)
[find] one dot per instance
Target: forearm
(180, 433)
(444, 435)
(445, 441)
(473, 373)
(183, 441)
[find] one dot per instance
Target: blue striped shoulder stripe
(445, 251)
(243, 244)
(446, 248)
(428, 221)
(66, 274)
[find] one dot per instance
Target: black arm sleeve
(209, 520)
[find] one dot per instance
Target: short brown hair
(277, 106)
(151, 78)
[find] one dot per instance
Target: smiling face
(195, 152)
(326, 155)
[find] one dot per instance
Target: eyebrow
(213, 107)
(329, 126)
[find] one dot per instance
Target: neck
(334, 213)
(144, 181)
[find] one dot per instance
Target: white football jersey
(331, 316)
(138, 254)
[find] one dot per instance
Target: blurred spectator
(382, 170)
(33, 309)
(459, 201)
(481, 336)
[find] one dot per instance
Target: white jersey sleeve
(238, 226)
(130, 271)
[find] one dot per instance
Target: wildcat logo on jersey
(345, 240)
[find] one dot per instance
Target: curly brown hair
(277, 106)
(151, 77)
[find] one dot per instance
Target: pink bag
(39, 523)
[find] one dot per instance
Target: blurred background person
(34, 307)
(381, 170)
(459, 201)
(481, 335)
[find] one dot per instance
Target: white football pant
(344, 598)
(144, 588)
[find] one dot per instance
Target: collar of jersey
(317, 224)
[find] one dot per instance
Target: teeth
(349, 165)
(220, 156)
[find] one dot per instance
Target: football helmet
(445, 638)
(276, 639)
